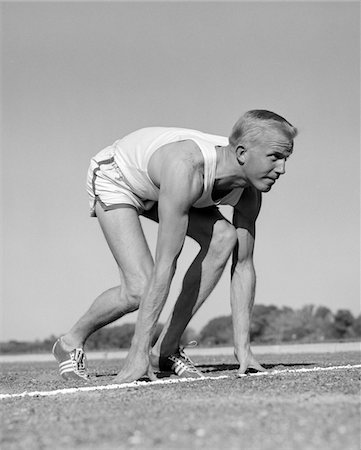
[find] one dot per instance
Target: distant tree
(116, 337)
(218, 331)
(14, 346)
(304, 325)
(261, 317)
(357, 326)
(284, 326)
(17, 347)
(278, 324)
(47, 344)
(269, 324)
(343, 324)
(323, 313)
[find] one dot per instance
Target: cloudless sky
(78, 76)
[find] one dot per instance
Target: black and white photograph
(180, 227)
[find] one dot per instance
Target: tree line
(269, 325)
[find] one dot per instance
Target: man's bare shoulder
(187, 150)
(175, 154)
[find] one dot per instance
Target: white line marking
(136, 384)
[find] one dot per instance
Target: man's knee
(224, 238)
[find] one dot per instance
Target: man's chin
(265, 188)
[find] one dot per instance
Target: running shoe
(72, 365)
(180, 364)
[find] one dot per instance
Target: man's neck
(229, 174)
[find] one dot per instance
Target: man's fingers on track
(242, 370)
(151, 375)
(258, 367)
(254, 365)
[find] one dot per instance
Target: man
(178, 177)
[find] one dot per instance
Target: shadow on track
(207, 368)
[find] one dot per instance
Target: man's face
(265, 159)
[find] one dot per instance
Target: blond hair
(254, 123)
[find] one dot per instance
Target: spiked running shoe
(72, 365)
(180, 364)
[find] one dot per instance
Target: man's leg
(126, 240)
(217, 238)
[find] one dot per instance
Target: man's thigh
(201, 226)
(125, 237)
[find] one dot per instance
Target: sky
(76, 76)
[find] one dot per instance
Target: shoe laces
(187, 361)
(79, 362)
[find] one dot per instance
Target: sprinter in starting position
(178, 177)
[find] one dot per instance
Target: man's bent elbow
(224, 238)
(243, 268)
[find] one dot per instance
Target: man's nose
(281, 166)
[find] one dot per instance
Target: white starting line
(137, 384)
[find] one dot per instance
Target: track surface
(295, 410)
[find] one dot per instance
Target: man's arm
(180, 187)
(181, 184)
(243, 282)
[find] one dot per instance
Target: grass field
(281, 410)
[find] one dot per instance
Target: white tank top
(133, 152)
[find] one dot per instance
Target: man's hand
(247, 361)
(136, 366)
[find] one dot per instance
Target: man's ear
(241, 154)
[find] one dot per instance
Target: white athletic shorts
(106, 185)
